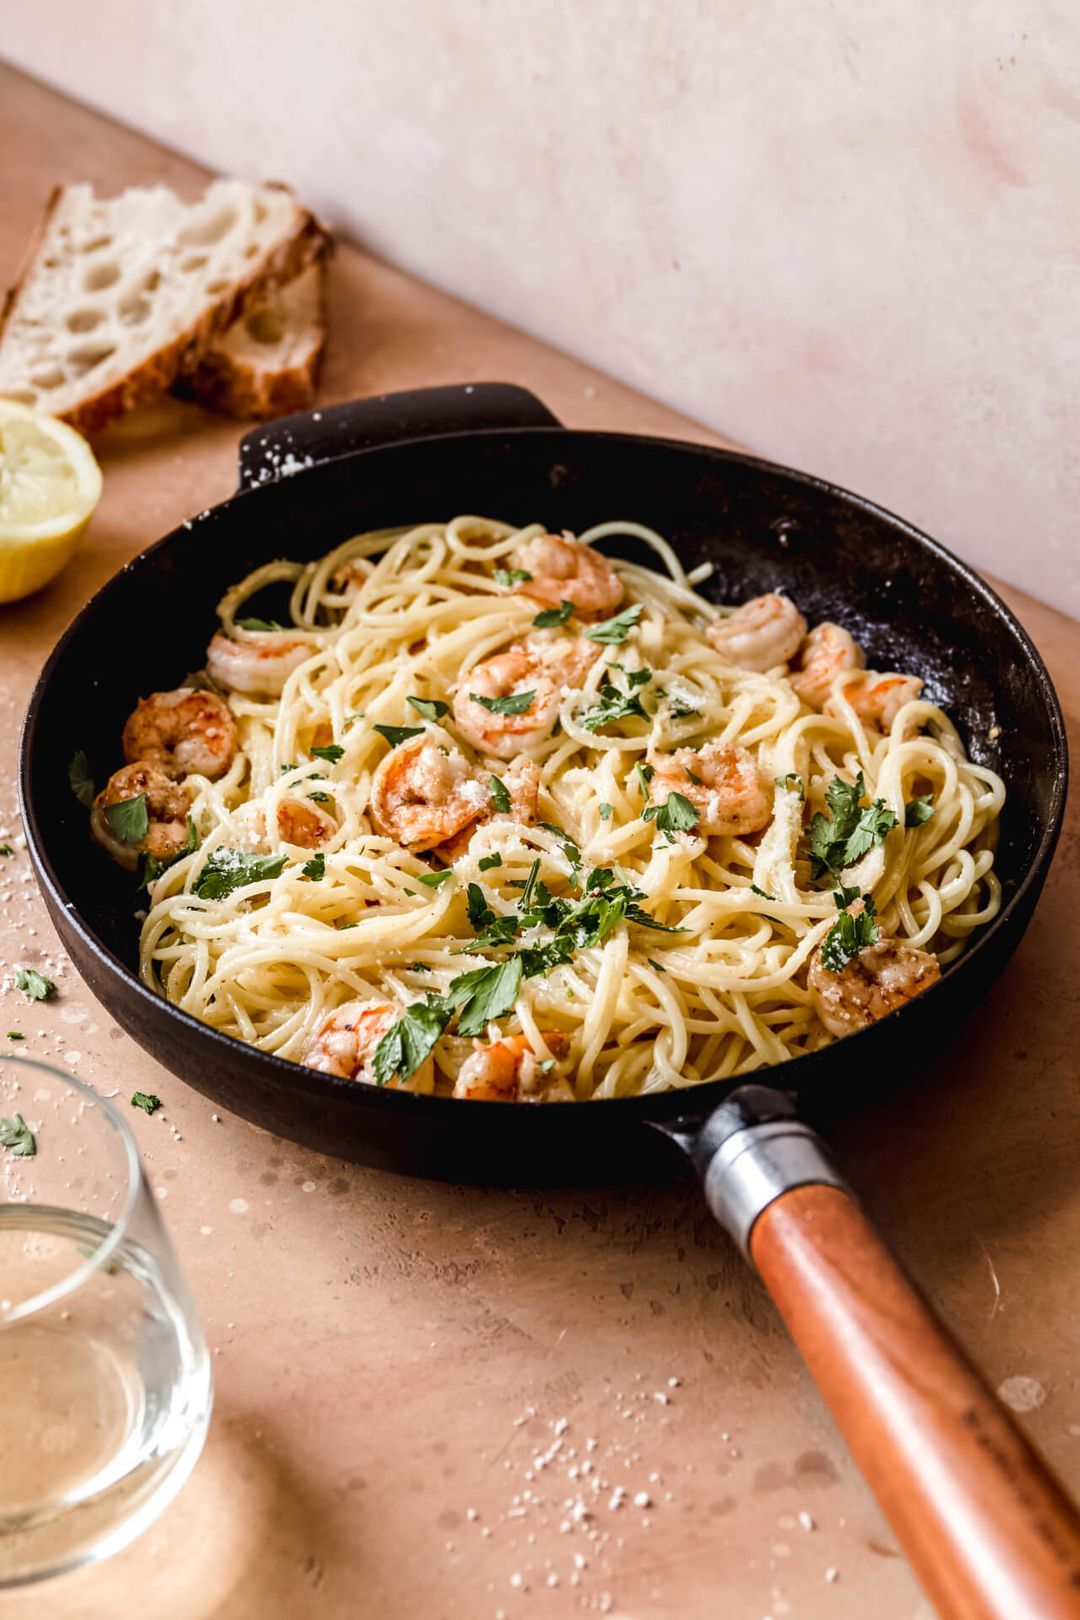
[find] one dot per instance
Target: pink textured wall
(848, 234)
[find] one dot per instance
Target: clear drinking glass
(105, 1387)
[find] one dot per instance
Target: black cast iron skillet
(311, 481)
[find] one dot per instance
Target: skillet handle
(987, 1527)
(292, 443)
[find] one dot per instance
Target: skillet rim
(657, 1107)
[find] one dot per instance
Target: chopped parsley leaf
(653, 963)
(508, 577)
(916, 811)
(409, 1042)
(34, 984)
(513, 703)
(432, 880)
(227, 870)
(396, 735)
(129, 819)
(331, 753)
(477, 908)
(613, 705)
(676, 814)
(258, 624)
(315, 868)
(634, 677)
(791, 784)
(606, 812)
(844, 836)
(500, 793)
(849, 935)
(417, 967)
(357, 714)
(80, 780)
(525, 900)
(755, 890)
(430, 708)
(146, 1100)
(486, 862)
(644, 774)
(485, 994)
(15, 1035)
(6, 849)
(613, 632)
(16, 1134)
(550, 617)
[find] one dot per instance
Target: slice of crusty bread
(122, 292)
(267, 362)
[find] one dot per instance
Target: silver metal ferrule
(757, 1165)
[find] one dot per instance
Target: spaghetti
(640, 838)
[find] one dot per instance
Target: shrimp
(299, 822)
(877, 699)
(567, 660)
(522, 782)
(562, 569)
(722, 783)
(510, 1071)
(167, 803)
(345, 1042)
(258, 666)
(879, 979)
(424, 793)
(182, 732)
(509, 674)
(764, 632)
(827, 651)
(302, 823)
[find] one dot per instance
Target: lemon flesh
(50, 484)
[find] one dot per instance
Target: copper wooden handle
(988, 1529)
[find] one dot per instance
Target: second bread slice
(266, 364)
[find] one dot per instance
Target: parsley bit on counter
(146, 1101)
(35, 985)
(16, 1134)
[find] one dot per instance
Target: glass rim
(104, 1252)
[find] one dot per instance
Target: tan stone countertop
(395, 1359)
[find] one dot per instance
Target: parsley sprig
(852, 931)
(226, 870)
(844, 836)
(613, 632)
(676, 814)
(550, 617)
(486, 994)
(513, 703)
(617, 705)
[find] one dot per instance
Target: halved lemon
(50, 484)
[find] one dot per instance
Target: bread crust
(153, 376)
